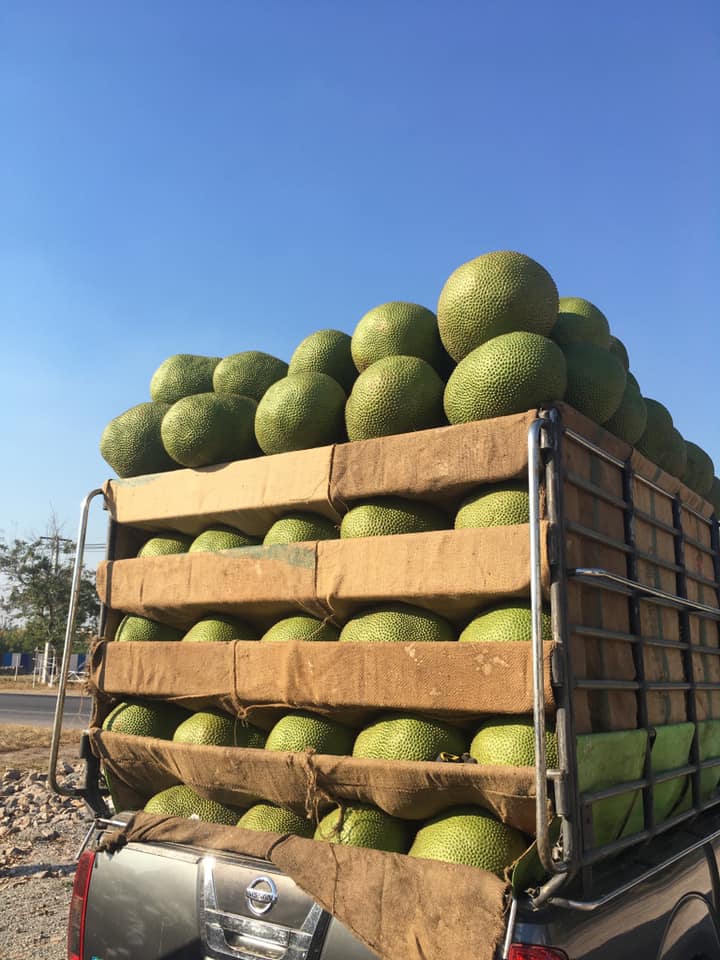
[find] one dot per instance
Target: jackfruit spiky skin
(221, 537)
(500, 505)
(713, 495)
(396, 394)
(497, 293)
(328, 352)
(166, 545)
(674, 460)
(397, 329)
(596, 380)
(580, 321)
(620, 350)
(362, 825)
(699, 469)
(209, 428)
(220, 629)
(182, 801)
(182, 375)
(272, 819)
(303, 628)
(630, 419)
(506, 622)
(510, 741)
(248, 374)
(660, 441)
(397, 623)
(469, 835)
(145, 719)
(631, 378)
(132, 444)
(655, 437)
(301, 527)
(405, 736)
(301, 411)
(215, 728)
(509, 374)
(301, 730)
(133, 628)
(389, 516)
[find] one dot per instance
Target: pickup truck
(650, 892)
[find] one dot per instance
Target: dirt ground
(9, 684)
(28, 748)
(40, 834)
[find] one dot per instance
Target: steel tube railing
(67, 647)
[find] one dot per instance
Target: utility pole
(56, 540)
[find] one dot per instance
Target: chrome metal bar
(86, 840)
(653, 486)
(589, 445)
(510, 929)
(562, 670)
(597, 573)
(629, 786)
(546, 893)
(609, 458)
(597, 854)
(541, 799)
(590, 905)
(67, 647)
(686, 506)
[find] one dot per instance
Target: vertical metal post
(534, 470)
(566, 792)
(638, 648)
(541, 438)
(686, 637)
(67, 648)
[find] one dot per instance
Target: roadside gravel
(40, 834)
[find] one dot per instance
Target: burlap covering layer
(250, 494)
(452, 572)
(142, 766)
(399, 907)
(246, 678)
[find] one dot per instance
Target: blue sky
(209, 178)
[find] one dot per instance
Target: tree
(35, 593)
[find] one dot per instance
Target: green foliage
(35, 580)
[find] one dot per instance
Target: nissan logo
(261, 895)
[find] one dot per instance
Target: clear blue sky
(221, 176)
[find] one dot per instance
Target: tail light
(519, 951)
(78, 906)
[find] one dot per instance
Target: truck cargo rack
(567, 854)
(573, 854)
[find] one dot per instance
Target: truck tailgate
(161, 902)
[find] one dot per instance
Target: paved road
(38, 710)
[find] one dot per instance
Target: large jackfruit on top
(508, 374)
(131, 442)
(496, 293)
(397, 329)
(396, 394)
(182, 375)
